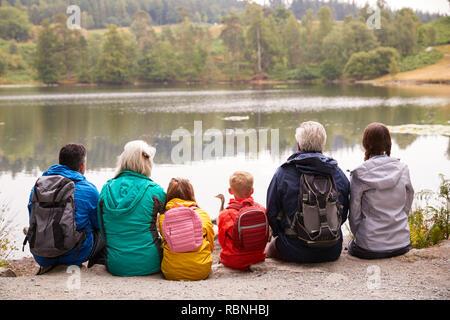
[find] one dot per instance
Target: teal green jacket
(127, 214)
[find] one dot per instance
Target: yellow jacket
(194, 265)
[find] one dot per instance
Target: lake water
(36, 122)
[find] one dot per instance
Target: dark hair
(180, 188)
(376, 140)
(72, 155)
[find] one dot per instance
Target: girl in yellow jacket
(194, 265)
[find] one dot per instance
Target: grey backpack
(318, 219)
(53, 230)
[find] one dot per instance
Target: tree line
(257, 43)
(97, 14)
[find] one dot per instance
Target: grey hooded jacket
(380, 199)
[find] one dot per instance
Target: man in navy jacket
(283, 192)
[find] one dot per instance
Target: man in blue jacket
(72, 165)
(283, 196)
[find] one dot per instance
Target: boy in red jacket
(241, 187)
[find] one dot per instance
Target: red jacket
(229, 255)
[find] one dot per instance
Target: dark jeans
(98, 253)
(294, 250)
(359, 252)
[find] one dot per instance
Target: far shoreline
(243, 82)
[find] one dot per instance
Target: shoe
(43, 270)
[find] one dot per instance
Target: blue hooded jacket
(282, 195)
(86, 200)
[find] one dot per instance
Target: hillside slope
(435, 73)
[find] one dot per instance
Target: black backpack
(53, 230)
(318, 219)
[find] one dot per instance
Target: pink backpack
(183, 229)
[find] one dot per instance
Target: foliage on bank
(430, 224)
(6, 247)
(255, 43)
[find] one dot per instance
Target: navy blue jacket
(86, 200)
(283, 195)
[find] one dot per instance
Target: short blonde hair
(241, 183)
(137, 156)
(311, 136)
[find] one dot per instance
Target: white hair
(311, 136)
(137, 156)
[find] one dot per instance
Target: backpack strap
(80, 243)
(291, 230)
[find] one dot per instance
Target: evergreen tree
(233, 37)
(112, 63)
(48, 68)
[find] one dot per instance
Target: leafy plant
(430, 224)
(6, 247)
(420, 60)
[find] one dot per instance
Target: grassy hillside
(438, 72)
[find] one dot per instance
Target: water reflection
(36, 122)
(34, 128)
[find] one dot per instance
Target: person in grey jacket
(381, 196)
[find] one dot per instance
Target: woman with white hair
(127, 212)
(292, 208)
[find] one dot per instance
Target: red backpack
(251, 227)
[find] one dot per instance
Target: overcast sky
(441, 6)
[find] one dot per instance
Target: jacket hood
(64, 171)
(312, 163)
(380, 173)
(125, 191)
(173, 203)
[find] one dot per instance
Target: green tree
(292, 42)
(48, 69)
(312, 42)
(367, 65)
(325, 22)
(232, 36)
(14, 24)
(426, 35)
(160, 64)
(3, 63)
(141, 27)
(329, 70)
(406, 26)
(359, 66)
(383, 59)
(112, 63)
(192, 46)
(262, 38)
(68, 47)
(393, 67)
(345, 40)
